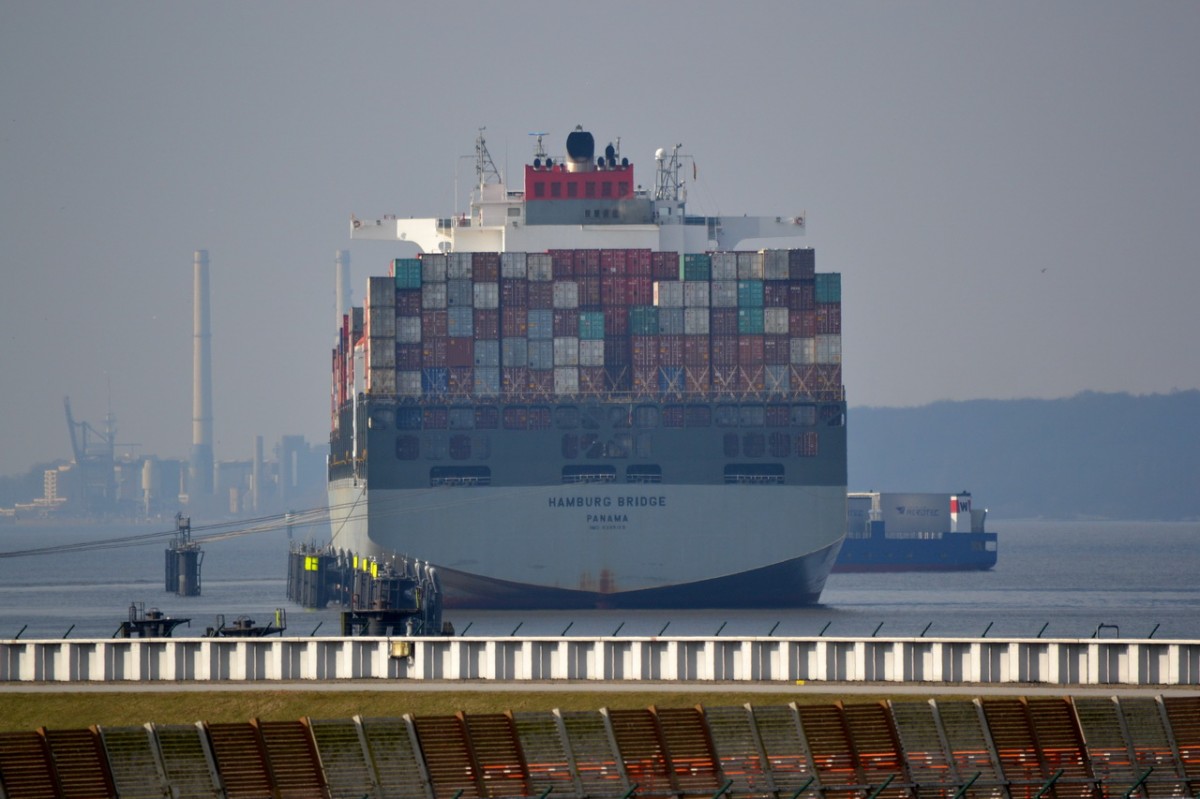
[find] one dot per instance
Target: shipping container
(434, 324)
(639, 290)
(539, 265)
(698, 379)
(618, 379)
(724, 294)
(381, 292)
(459, 293)
(724, 266)
(461, 322)
(435, 381)
(643, 320)
(408, 329)
(381, 322)
(487, 353)
(724, 350)
(566, 351)
(750, 266)
(723, 321)
(541, 296)
(591, 352)
(639, 263)
(487, 381)
(802, 323)
(775, 265)
(485, 267)
(618, 351)
(487, 295)
(514, 292)
(750, 293)
(645, 379)
(802, 264)
(381, 382)
(750, 321)
(381, 353)
(541, 354)
(750, 350)
(408, 357)
(459, 266)
(592, 380)
(670, 321)
(777, 379)
(724, 378)
(433, 352)
(514, 322)
(407, 272)
(433, 296)
(408, 302)
(775, 293)
(460, 352)
(802, 295)
(512, 265)
(696, 294)
(665, 266)
(670, 350)
(433, 268)
(514, 352)
(487, 324)
(671, 380)
(668, 294)
(829, 348)
(566, 322)
(541, 324)
(566, 380)
(616, 321)
(697, 266)
(612, 262)
(696, 351)
(566, 294)
(562, 264)
(829, 318)
(514, 382)
(803, 351)
(775, 321)
(695, 321)
(643, 350)
(777, 349)
(587, 262)
(591, 325)
(541, 386)
(462, 380)
(829, 287)
(589, 291)
(408, 383)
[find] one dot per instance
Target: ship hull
(628, 546)
(950, 552)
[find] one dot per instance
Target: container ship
(915, 532)
(579, 395)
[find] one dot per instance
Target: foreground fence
(940, 749)
(1057, 662)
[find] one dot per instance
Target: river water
(1062, 579)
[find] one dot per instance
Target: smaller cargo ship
(915, 532)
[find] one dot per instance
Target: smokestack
(342, 279)
(200, 482)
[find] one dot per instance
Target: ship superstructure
(579, 395)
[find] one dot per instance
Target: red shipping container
(434, 324)
(433, 352)
(645, 379)
(777, 350)
(612, 262)
(802, 295)
(514, 293)
(664, 265)
(589, 291)
(639, 290)
(829, 317)
(802, 324)
(485, 267)
(487, 324)
(776, 293)
(724, 379)
(724, 351)
(616, 320)
(618, 379)
(587, 263)
(541, 295)
(617, 351)
(514, 323)
(541, 384)
(460, 352)
(643, 351)
(566, 323)
(637, 263)
(750, 350)
(697, 379)
(696, 351)
(723, 321)
(751, 378)
(612, 290)
(670, 350)
(562, 264)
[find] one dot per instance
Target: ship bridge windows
(755, 473)
(589, 474)
(649, 473)
(462, 476)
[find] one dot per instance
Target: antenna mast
(668, 185)
(485, 168)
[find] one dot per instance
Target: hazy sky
(1010, 190)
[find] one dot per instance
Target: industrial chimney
(200, 471)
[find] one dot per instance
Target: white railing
(700, 659)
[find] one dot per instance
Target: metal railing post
(1139, 782)
(1049, 784)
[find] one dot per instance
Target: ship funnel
(200, 467)
(581, 150)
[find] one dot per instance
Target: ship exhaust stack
(342, 280)
(200, 477)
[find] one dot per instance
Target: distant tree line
(1093, 455)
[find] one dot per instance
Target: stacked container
(625, 324)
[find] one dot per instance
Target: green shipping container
(750, 294)
(829, 287)
(750, 321)
(643, 320)
(591, 325)
(408, 273)
(697, 266)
